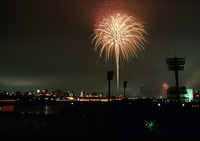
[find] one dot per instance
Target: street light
(176, 64)
(125, 84)
(109, 77)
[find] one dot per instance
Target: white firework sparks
(120, 35)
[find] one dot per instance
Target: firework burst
(119, 35)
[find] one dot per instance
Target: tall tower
(176, 64)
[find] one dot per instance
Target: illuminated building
(38, 91)
(43, 92)
(66, 93)
(71, 94)
(81, 94)
(185, 95)
(189, 96)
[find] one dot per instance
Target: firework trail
(119, 35)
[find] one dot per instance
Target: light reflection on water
(47, 110)
(7, 108)
(37, 109)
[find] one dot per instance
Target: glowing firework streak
(120, 35)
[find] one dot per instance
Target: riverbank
(138, 118)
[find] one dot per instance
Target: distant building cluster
(185, 95)
(57, 95)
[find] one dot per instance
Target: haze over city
(95, 69)
(48, 45)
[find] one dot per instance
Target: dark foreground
(137, 118)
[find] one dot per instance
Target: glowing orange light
(7, 108)
(165, 86)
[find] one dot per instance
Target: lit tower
(176, 64)
(109, 77)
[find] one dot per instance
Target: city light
(99, 68)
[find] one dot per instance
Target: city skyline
(48, 45)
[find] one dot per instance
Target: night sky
(47, 44)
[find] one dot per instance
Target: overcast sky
(47, 44)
